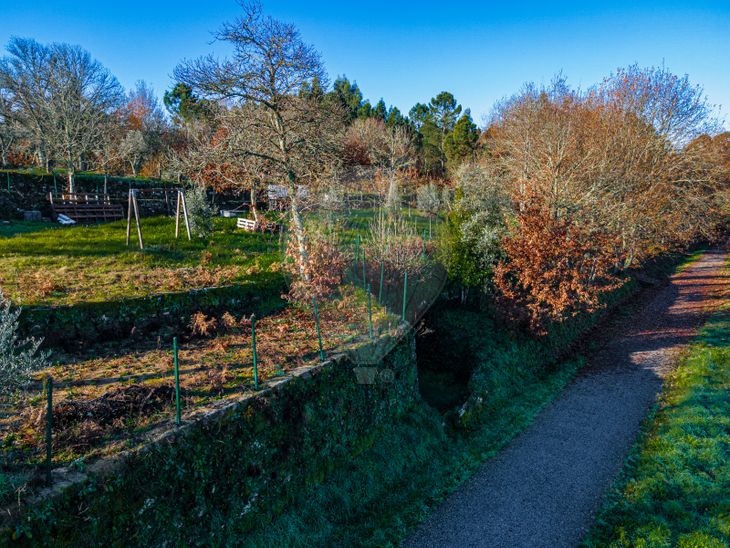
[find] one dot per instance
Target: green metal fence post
(177, 382)
(49, 428)
(380, 290)
(55, 186)
(255, 354)
(370, 312)
(364, 278)
(430, 231)
(319, 332)
(405, 292)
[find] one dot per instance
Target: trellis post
(255, 355)
(380, 290)
(405, 293)
(129, 213)
(136, 218)
(49, 428)
(319, 331)
(178, 417)
(370, 311)
(181, 197)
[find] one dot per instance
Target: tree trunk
(253, 202)
(298, 225)
(71, 186)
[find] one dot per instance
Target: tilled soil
(545, 488)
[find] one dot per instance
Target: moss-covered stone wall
(230, 471)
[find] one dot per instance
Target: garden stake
(255, 355)
(177, 381)
(370, 312)
(357, 252)
(55, 187)
(49, 427)
(380, 291)
(405, 291)
(430, 231)
(364, 280)
(423, 246)
(319, 332)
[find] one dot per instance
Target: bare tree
(64, 98)
(614, 159)
(145, 126)
(10, 130)
(295, 134)
(23, 79)
(389, 150)
(134, 148)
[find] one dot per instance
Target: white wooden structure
(246, 224)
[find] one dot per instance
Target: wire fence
(386, 281)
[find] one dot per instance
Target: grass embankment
(417, 462)
(675, 488)
(42, 264)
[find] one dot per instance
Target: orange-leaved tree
(554, 269)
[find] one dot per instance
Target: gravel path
(544, 488)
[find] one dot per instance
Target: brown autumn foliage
(323, 272)
(600, 181)
(618, 158)
(554, 269)
(202, 325)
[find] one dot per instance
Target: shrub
(200, 212)
(19, 358)
(324, 270)
(202, 325)
(395, 242)
(427, 199)
(554, 269)
(472, 239)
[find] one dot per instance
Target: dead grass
(103, 402)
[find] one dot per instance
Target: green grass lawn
(675, 490)
(48, 264)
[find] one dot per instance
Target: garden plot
(102, 404)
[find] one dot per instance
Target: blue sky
(407, 52)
